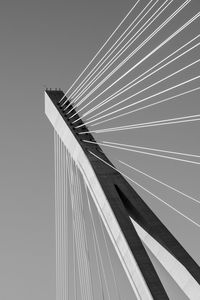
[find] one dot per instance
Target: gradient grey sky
(49, 43)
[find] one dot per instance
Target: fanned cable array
(139, 92)
(136, 75)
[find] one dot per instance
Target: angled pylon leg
(118, 203)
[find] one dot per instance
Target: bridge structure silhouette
(105, 231)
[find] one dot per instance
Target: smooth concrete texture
(128, 261)
(188, 285)
(49, 43)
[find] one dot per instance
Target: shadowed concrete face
(49, 43)
(117, 202)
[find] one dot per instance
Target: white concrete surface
(177, 271)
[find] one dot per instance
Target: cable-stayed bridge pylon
(129, 222)
(138, 97)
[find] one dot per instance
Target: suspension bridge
(107, 230)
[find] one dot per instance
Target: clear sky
(48, 43)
